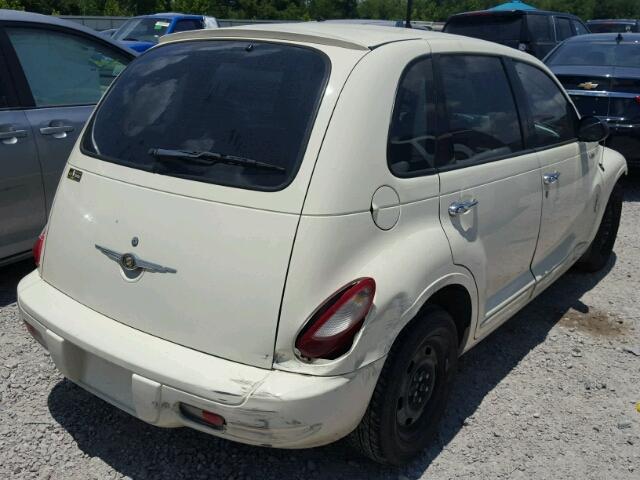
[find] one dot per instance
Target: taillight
(637, 99)
(38, 247)
(330, 332)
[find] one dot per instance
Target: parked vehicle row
(143, 32)
(601, 72)
(269, 256)
(532, 31)
(52, 73)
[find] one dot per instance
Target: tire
(411, 393)
(598, 253)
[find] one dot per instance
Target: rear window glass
(612, 27)
(488, 27)
(225, 112)
(597, 54)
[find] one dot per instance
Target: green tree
(11, 4)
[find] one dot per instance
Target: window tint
(539, 28)
(580, 28)
(612, 27)
(553, 116)
(481, 111)
(597, 54)
(411, 147)
(495, 28)
(64, 69)
(232, 99)
(563, 28)
(184, 25)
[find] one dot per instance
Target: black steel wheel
(412, 390)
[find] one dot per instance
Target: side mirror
(592, 129)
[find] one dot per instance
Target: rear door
(22, 208)
(66, 74)
(569, 174)
(491, 192)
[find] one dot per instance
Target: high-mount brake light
(331, 330)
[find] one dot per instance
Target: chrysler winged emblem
(131, 263)
(588, 85)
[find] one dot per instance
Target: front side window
(483, 121)
(234, 113)
(411, 146)
(563, 28)
(187, 24)
(553, 116)
(146, 29)
(65, 69)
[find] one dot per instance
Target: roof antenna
(619, 38)
(407, 22)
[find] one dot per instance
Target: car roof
(599, 37)
(346, 35)
(29, 17)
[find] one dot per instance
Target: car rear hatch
(588, 87)
(192, 243)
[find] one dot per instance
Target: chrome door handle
(550, 178)
(58, 131)
(460, 208)
(11, 136)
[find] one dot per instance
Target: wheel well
(456, 301)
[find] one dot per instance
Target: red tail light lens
(330, 332)
(38, 247)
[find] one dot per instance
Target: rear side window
(483, 122)
(580, 28)
(65, 69)
(540, 29)
(187, 24)
(411, 146)
(563, 28)
(553, 116)
(243, 110)
(495, 28)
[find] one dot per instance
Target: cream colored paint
(215, 334)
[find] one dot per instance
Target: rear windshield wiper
(210, 158)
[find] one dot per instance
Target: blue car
(143, 32)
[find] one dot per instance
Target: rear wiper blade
(211, 158)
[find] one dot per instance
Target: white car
(285, 234)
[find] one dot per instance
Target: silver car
(52, 73)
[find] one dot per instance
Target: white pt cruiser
(287, 234)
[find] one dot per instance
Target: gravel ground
(551, 394)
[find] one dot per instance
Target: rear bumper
(149, 378)
(625, 138)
